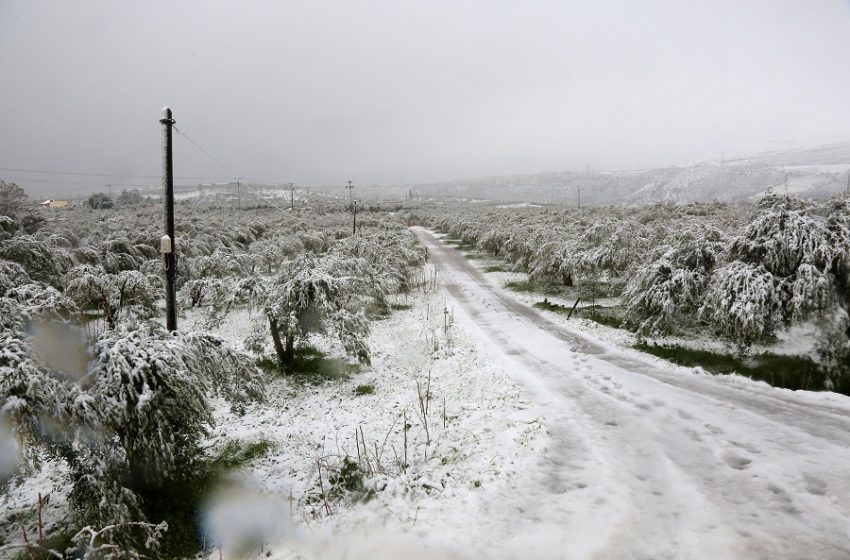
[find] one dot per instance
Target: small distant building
(50, 203)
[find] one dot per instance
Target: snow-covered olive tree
(211, 278)
(668, 291)
(129, 294)
(786, 266)
(13, 199)
(307, 297)
(42, 260)
(124, 418)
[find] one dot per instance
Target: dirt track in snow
(656, 461)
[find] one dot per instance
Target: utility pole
(167, 242)
(350, 188)
(579, 196)
(292, 196)
(239, 193)
(354, 228)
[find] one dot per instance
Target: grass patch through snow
(603, 315)
(790, 372)
(310, 365)
(367, 389)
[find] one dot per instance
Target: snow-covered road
(657, 461)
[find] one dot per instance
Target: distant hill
(811, 172)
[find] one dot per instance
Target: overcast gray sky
(403, 91)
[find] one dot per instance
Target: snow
(546, 438)
(492, 440)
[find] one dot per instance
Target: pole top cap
(166, 116)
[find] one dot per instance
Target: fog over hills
(812, 172)
(809, 172)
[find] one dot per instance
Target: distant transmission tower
(350, 188)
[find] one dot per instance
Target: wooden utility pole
(167, 243)
(350, 188)
(354, 228)
(579, 196)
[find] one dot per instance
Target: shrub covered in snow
(785, 267)
(126, 419)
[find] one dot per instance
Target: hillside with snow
(816, 172)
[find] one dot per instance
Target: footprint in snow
(786, 503)
(745, 446)
(815, 485)
(714, 429)
(736, 461)
(693, 435)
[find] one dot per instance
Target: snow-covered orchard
(331, 394)
(317, 368)
(746, 273)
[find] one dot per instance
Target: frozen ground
(657, 461)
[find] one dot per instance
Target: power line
(69, 182)
(214, 160)
(206, 153)
(107, 175)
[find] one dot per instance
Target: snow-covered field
(543, 438)
(487, 442)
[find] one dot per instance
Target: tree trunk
(278, 346)
(290, 349)
(568, 279)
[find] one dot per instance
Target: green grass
(522, 286)
(460, 244)
(367, 389)
(57, 541)
(546, 289)
(549, 306)
(495, 268)
(179, 500)
(313, 366)
(603, 315)
(375, 312)
(310, 365)
(790, 372)
(607, 316)
(269, 365)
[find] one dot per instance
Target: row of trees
(743, 271)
